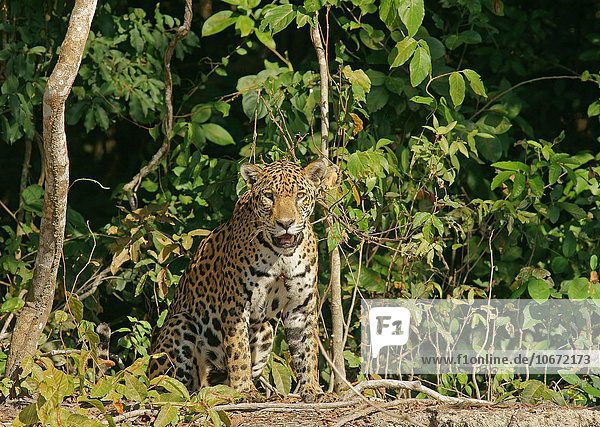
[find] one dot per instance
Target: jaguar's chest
(276, 282)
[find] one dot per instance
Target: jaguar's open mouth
(285, 240)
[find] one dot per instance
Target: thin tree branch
(337, 313)
(518, 85)
(130, 189)
(24, 180)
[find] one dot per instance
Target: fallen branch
(283, 407)
(130, 189)
(135, 414)
(414, 386)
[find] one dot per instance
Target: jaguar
(258, 266)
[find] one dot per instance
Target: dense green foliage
(451, 145)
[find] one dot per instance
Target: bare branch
(518, 85)
(132, 186)
(413, 386)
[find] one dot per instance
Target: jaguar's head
(282, 196)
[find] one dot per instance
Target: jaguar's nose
(285, 223)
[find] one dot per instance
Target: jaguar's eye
(268, 196)
(301, 195)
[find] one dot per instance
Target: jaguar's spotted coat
(259, 264)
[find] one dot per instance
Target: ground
(412, 413)
(400, 413)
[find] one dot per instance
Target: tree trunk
(337, 314)
(34, 315)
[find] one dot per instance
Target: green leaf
(593, 262)
(420, 66)
(594, 109)
(217, 134)
(201, 113)
(250, 104)
(134, 389)
(100, 406)
(411, 14)
(578, 289)
(75, 306)
(11, 305)
(402, 52)
(388, 12)
(278, 18)
(574, 210)
(172, 385)
(217, 23)
(475, 82)
(500, 178)
(102, 387)
(166, 416)
(511, 166)
(266, 39)
(518, 185)
(245, 25)
(33, 197)
(361, 84)
(422, 100)
(37, 50)
(312, 6)
(282, 377)
(352, 359)
(569, 244)
(537, 186)
(457, 88)
(28, 415)
(554, 173)
(538, 290)
(377, 98)
(357, 77)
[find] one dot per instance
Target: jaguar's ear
(316, 170)
(250, 173)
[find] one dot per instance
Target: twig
(89, 287)
(90, 180)
(24, 178)
(60, 352)
(89, 260)
(135, 414)
(12, 215)
(367, 410)
(518, 85)
(131, 187)
(286, 407)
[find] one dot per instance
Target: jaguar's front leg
(300, 324)
(236, 344)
